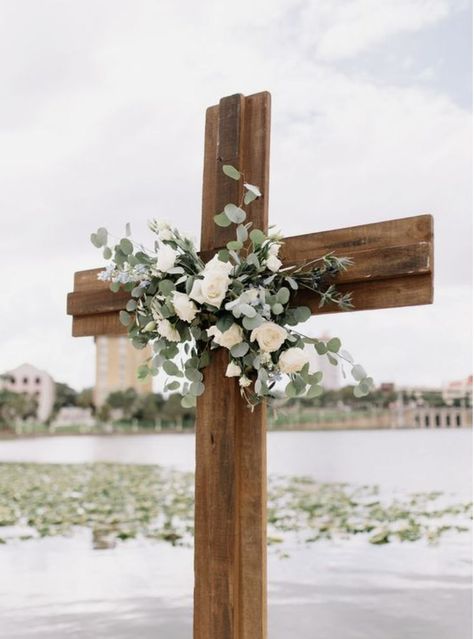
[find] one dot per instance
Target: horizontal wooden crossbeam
(393, 266)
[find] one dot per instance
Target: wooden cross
(393, 266)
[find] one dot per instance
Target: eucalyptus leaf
(222, 220)
(131, 305)
(107, 253)
(170, 368)
(257, 237)
(231, 171)
(188, 401)
(358, 373)
(126, 246)
(234, 213)
(334, 345)
(239, 350)
(125, 318)
(196, 389)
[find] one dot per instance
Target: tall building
(32, 381)
(116, 367)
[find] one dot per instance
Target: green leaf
(131, 305)
(302, 313)
(196, 389)
(193, 375)
(234, 245)
(314, 391)
(334, 345)
(224, 322)
(107, 253)
(143, 371)
(231, 171)
(283, 295)
(277, 309)
(172, 386)
(170, 368)
(124, 318)
(358, 373)
(234, 213)
(258, 237)
(239, 350)
(138, 291)
(291, 390)
(315, 378)
(126, 246)
(222, 220)
(320, 348)
(223, 255)
(252, 322)
(99, 239)
(115, 287)
(247, 310)
(166, 287)
(242, 234)
(204, 360)
(292, 283)
(188, 401)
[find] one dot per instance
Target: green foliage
(243, 301)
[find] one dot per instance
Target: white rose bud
(292, 360)
(269, 336)
(166, 329)
(231, 337)
(166, 258)
(273, 263)
(244, 381)
(233, 370)
(185, 308)
(274, 249)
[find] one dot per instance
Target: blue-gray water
(348, 589)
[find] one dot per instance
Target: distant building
(116, 367)
(35, 382)
(74, 416)
(458, 390)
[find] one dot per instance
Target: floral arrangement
(240, 300)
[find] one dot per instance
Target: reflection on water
(55, 588)
(409, 460)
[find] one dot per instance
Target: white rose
(166, 258)
(274, 249)
(232, 336)
(232, 370)
(292, 360)
(269, 336)
(212, 289)
(244, 381)
(218, 265)
(166, 329)
(273, 263)
(184, 307)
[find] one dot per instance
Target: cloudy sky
(101, 123)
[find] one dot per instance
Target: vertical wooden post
(230, 600)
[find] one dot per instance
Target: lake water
(347, 589)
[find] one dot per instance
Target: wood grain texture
(230, 518)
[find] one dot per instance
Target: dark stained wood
(230, 517)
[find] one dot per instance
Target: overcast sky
(102, 121)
